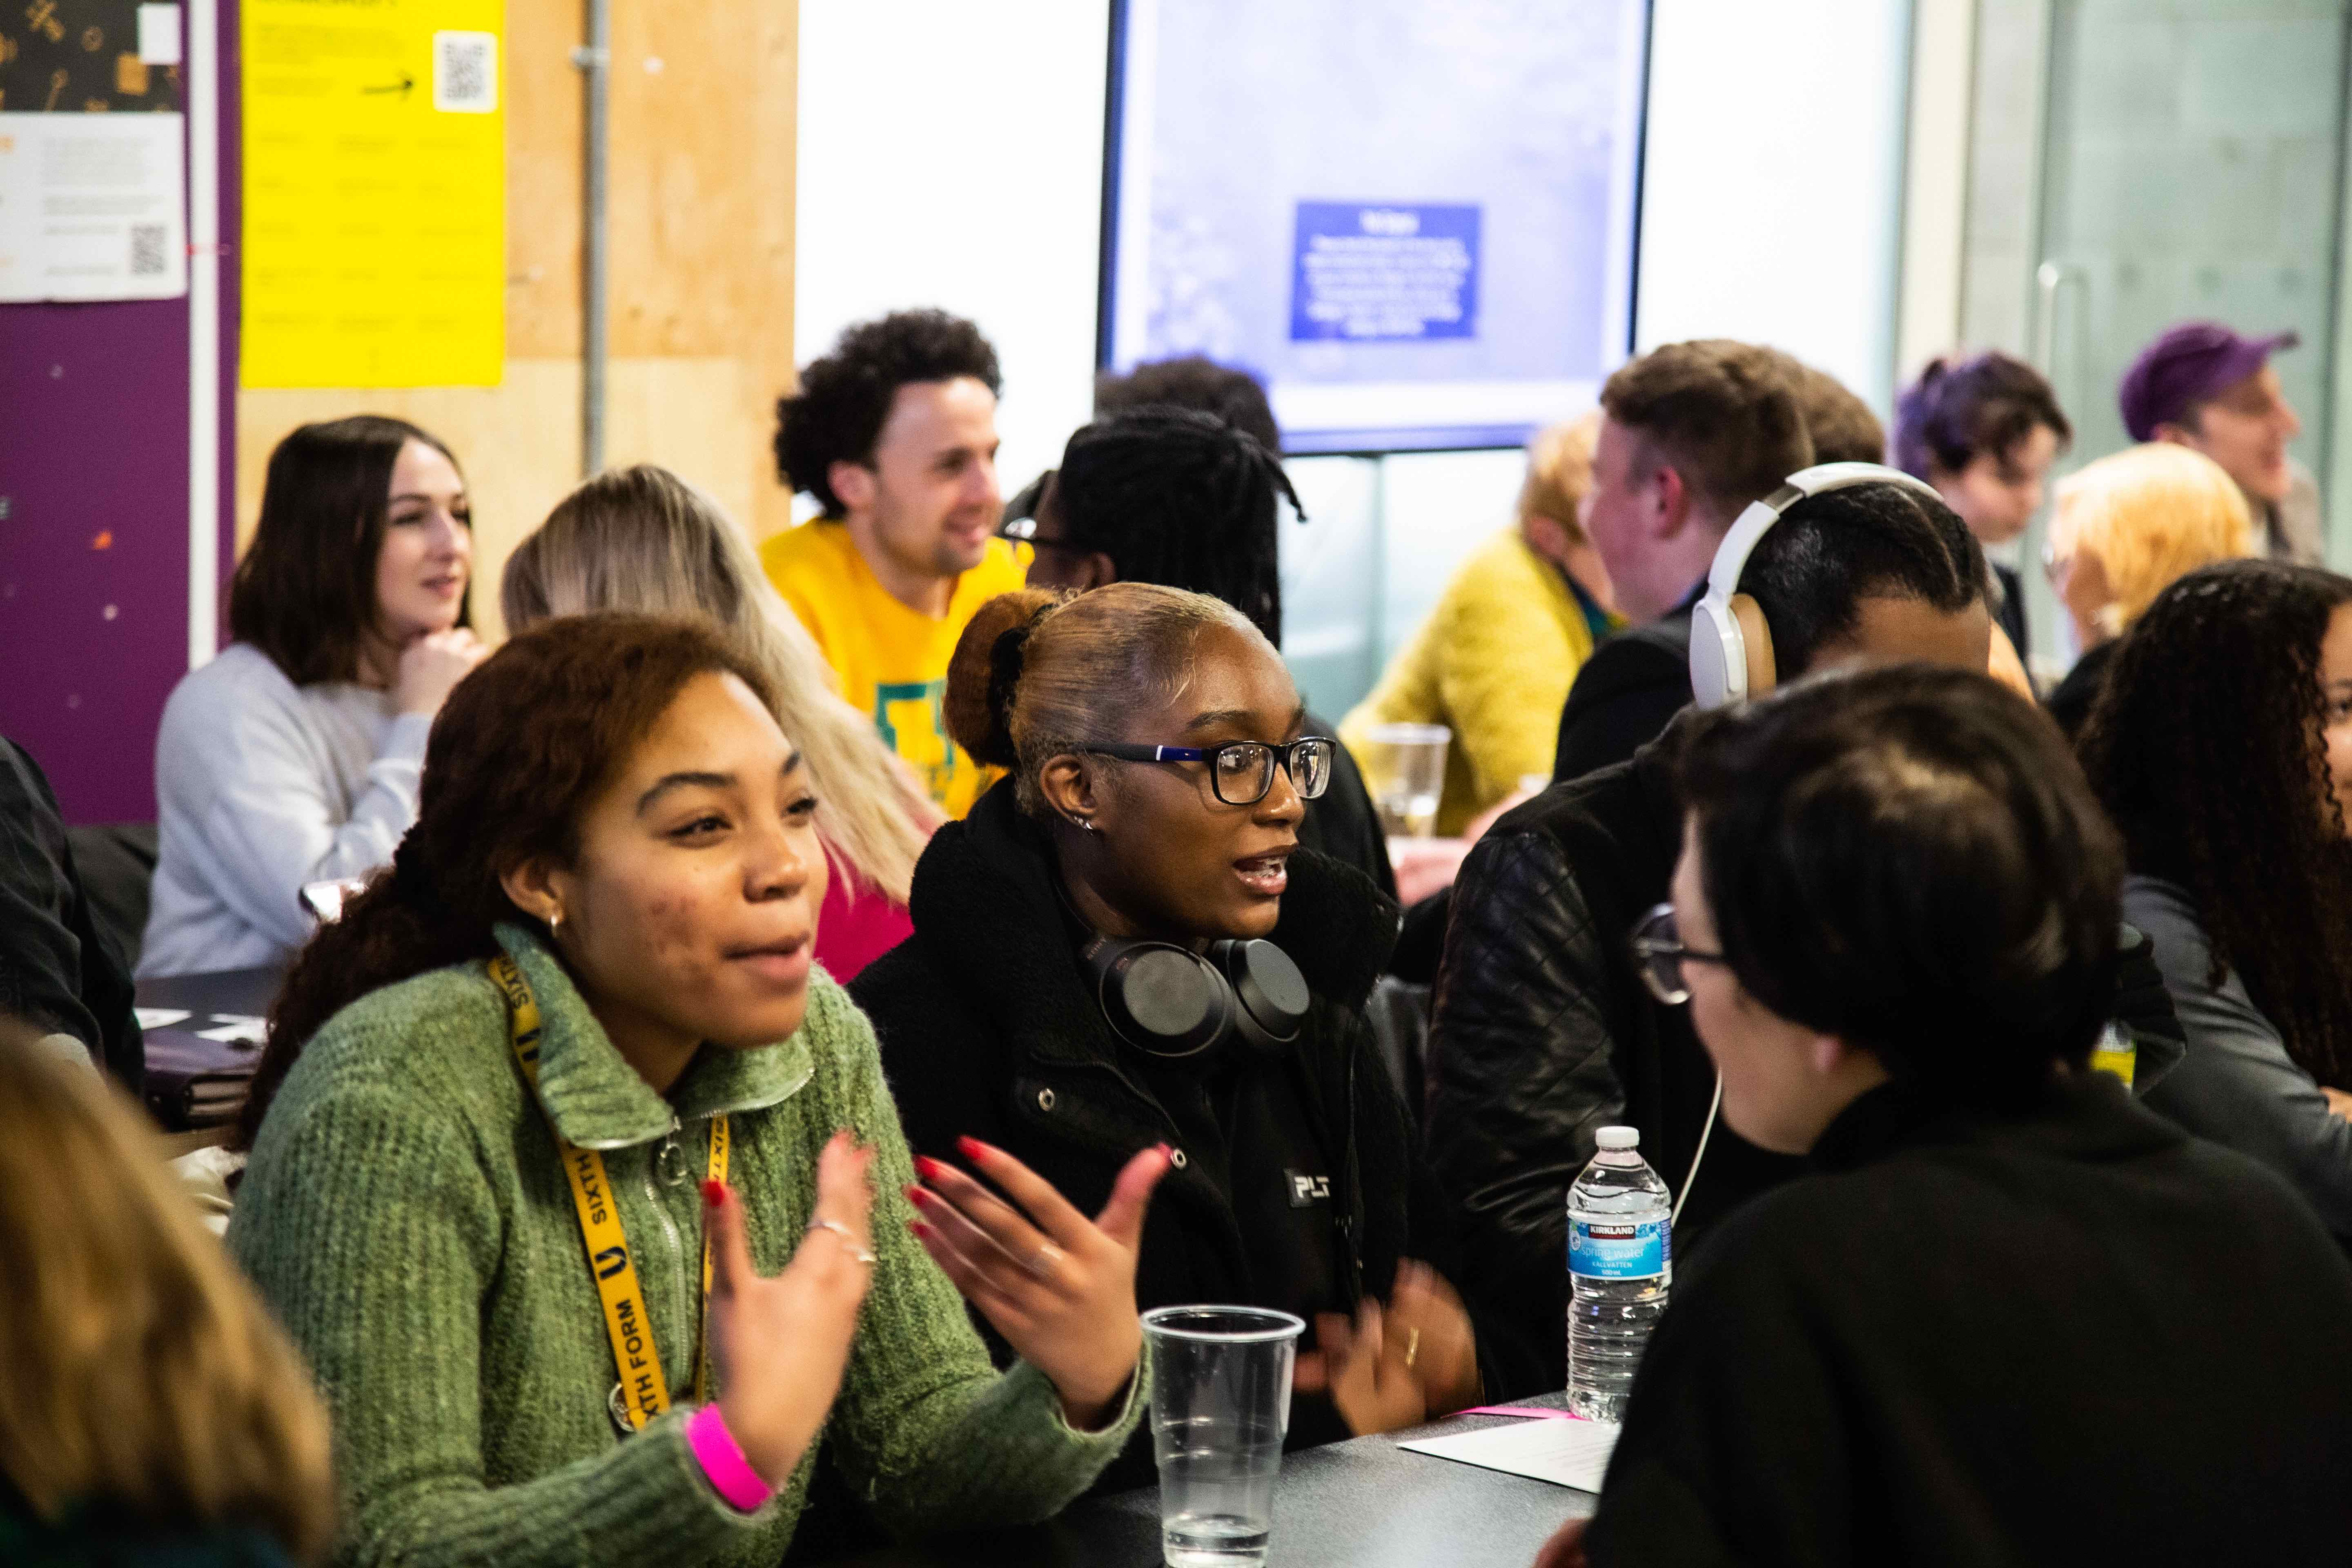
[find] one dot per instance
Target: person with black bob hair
(1999, 1282)
(292, 757)
(1126, 946)
(1182, 498)
(2221, 745)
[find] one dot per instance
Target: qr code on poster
(147, 257)
(465, 73)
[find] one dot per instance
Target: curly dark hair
(1182, 500)
(517, 754)
(1235, 396)
(1907, 857)
(2206, 744)
(1960, 408)
(845, 397)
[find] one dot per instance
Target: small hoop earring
(1085, 824)
(554, 922)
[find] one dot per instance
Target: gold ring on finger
(1412, 1347)
(848, 1239)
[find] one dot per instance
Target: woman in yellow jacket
(1493, 661)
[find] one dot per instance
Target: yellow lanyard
(642, 1393)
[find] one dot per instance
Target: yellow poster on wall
(374, 234)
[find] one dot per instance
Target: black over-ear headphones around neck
(1169, 1001)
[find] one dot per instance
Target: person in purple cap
(2205, 387)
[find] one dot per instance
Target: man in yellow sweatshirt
(894, 434)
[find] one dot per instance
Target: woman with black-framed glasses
(1071, 930)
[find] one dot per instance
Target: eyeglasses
(1023, 531)
(1241, 771)
(1659, 954)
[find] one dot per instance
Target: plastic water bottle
(1620, 1265)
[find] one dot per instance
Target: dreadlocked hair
(2206, 747)
(518, 754)
(1181, 499)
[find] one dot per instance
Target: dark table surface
(227, 991)
(1360, 1504)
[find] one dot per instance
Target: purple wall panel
(94, 545)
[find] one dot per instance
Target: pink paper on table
(1534, 1410)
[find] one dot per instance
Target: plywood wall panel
(701, 165)
(543, 179)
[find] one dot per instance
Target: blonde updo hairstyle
(1037, 674)
(2152, 514)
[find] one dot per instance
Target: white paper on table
(244, 1032)
(1565, 1453)
(159, 1017)
(92, 206)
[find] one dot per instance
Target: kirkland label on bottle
(1617, 1249)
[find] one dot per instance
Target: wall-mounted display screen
(1413, 219)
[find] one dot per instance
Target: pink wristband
(731, 1475)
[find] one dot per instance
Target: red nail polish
(919, 1229)
(916, 1196)
(927, 1167)
(714, 1191)
(974, 1149)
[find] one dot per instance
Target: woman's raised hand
(1412, 1360)
(778, 1345)
(1060, 1288)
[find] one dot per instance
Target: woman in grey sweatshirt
(293, 757)
(2222, 747)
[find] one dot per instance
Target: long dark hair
(2206, 745)
(518, 753)
(305, 591)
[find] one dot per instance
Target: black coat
(58, 971)
(1627, 692)
(2070, 1336)
(1541, 1034)
(988, 1029)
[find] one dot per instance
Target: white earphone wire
(1713, 1106)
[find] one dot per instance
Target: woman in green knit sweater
(586, 984)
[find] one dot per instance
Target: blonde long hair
(643, 539)
(147, 1377)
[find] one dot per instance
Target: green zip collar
(596, 1101)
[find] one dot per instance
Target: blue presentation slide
(1413, 219)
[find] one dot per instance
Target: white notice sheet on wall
(92, 206)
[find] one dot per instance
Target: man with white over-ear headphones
(1690, 433)
(1543, 1031)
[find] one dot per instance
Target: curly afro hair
(2206, 747)
(844, 398)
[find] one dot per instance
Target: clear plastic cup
(1220, 1405)
(1405, 772)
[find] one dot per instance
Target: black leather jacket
(1542, 1034)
